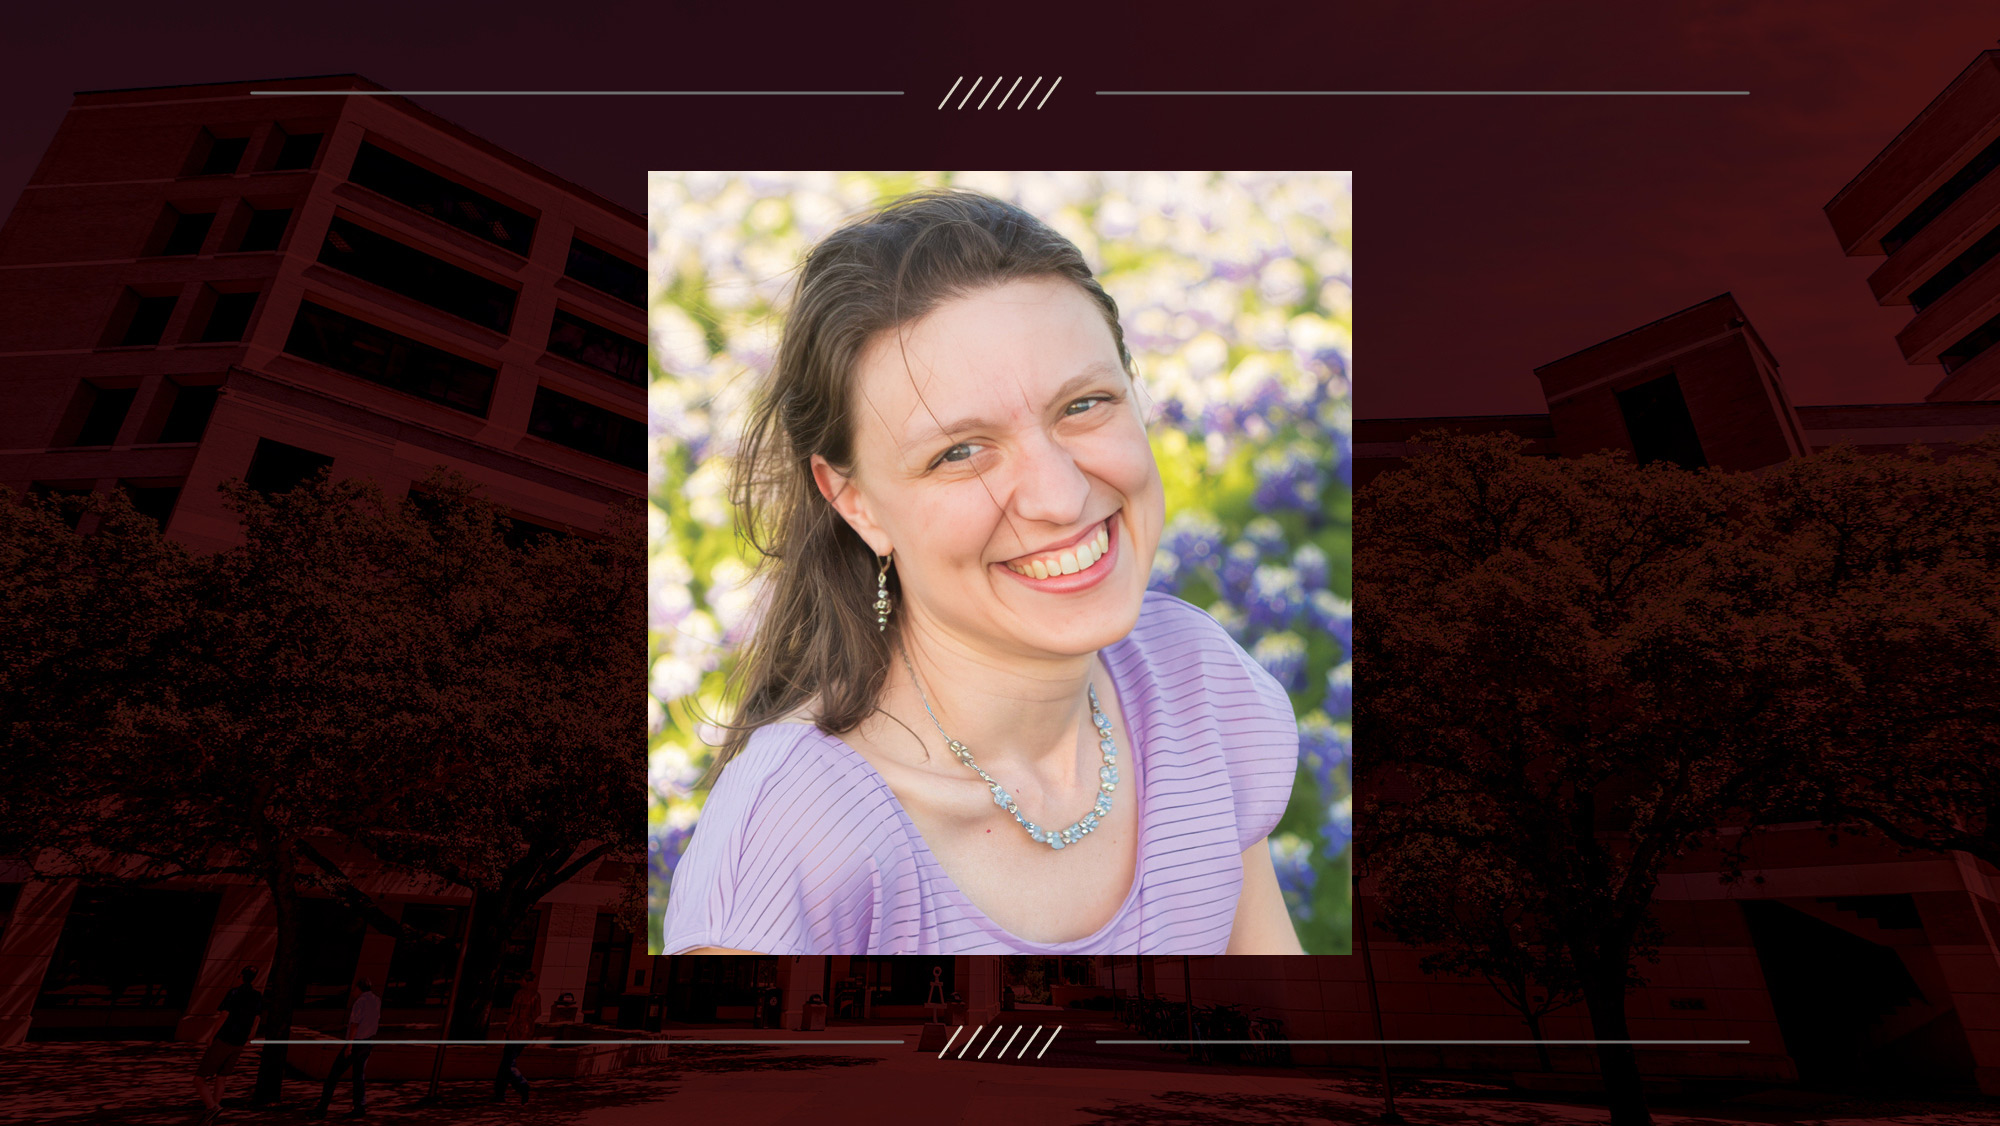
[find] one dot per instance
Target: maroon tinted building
(1839, 962)
(203, 283)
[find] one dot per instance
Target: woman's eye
(957, 453)
(1085, 404)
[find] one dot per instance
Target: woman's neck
(1011, 712)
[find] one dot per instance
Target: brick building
(245, 280)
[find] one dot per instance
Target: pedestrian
(243, 1004)
(521, 1018)
(362, 1021)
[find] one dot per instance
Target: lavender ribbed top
(802, 848)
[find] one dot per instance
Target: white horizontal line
(1521, 1042)
(579, 93)
(1431, 93)
(553, 1043)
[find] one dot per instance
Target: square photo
(1000, 537)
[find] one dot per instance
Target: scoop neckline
(978, 914)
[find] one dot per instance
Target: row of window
(97, 414)
(180, 233)
(141, 319)
(441, 197)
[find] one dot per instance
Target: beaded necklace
(1107, 774)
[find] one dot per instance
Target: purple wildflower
(1276, 598)
(1283, 655)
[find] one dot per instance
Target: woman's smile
(1079, 565)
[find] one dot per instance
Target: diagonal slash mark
(989, 93)
(1003, 105)
(953, 90)
(1023, 104)
(996, 1028)
(1030, 1043)
(1009, 1043)
(974, 90)
(954, 1036)
(968, 1042)
(1038, 106)
(1052, 1035)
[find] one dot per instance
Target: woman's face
(1001, 453)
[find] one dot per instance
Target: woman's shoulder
(1209, 691)
(785, 760)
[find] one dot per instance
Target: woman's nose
(1049, 486)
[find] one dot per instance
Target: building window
(279, 468)
(105, 415)
(229, 317)
(149, 320)
(604, 271)
(1947, 194)
(372, 257)
(443, 199)
(593, 345)
(224, 155)
(266, 228)
(361, 349)
(1656, 417)
(298, 151)
(1970, 345)
(588, 429)
(187, 419)
(98, 969)
(154, 501)
(1957, 270)
(185, 232)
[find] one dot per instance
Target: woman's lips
(1084, 575)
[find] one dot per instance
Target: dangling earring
(882, 596)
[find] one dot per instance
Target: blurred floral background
(1236, 294)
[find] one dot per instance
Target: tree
(543, 771)
(1896, 559)
(1579, 668)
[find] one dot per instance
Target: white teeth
(1078, 558)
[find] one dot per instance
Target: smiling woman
(963, 722)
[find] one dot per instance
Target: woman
(965, 724)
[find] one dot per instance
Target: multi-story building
(1930, 204)
(251, 280)
(1843, 961)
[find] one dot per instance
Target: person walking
(521, 1018)
(243, 1005)
(363, 1019)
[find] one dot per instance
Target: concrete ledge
(1567, 1081)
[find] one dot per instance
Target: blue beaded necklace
(1107, 774)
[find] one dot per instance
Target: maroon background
(1495, 233)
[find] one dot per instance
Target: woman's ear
(846, 499)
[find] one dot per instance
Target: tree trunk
(487, 927)
(1535, 1032)
(1604, 995)
(282, 880)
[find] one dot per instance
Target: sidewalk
(141, 1084)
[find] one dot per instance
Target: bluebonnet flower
(1230, 619)
(1195, 538)
(1329, 612)
(1267, 534)
(1339, 827)
(1283, 655)
(1311, 564)
(1340, 690)
(1173, 412)
(1292, 857)
(1343, 447)
(1276, 598)
(1288, 479)
(1327, 750)
(1166, 572)
(1239, 565)
(663, 850)
(1219, 418)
